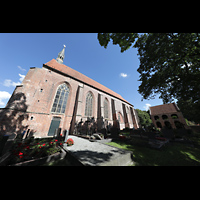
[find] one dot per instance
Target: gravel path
(95, 153)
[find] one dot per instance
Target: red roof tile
(165, 108)
(77, 75)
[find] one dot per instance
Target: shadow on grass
(170, 155)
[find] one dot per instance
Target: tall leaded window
(60, 100)
(129, 114)
(106, 108)
(119, 117)
(88, 106)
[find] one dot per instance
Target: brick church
(57, 96)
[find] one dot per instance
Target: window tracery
(89, 105)
(106, 108)
(60, 100)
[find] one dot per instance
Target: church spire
(61, 56)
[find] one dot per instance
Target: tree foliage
(124, 40)
(169, 63)
(144, 117)
(190, 110)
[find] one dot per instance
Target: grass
(173, 154)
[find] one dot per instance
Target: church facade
(57, 96)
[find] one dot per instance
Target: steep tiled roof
(81, 77)
(165, 108)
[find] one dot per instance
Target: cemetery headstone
(64, 133)
(55, 132)
(26, 134)
(104, 132)
(114, 132)
(97, 136)
(58, 132)
(66, 137)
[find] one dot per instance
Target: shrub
(70, 142)
(127, 129)
(32, 148)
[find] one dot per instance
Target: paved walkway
(98, 154)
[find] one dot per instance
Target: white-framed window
(106, 112)
(60, 100)
(120, 118)
(89, 105)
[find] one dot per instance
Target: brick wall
(32, 102)
(169, 119)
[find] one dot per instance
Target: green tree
(169, 63)
(124, 40)
(144, 117)
(190, 110)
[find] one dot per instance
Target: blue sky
(110, 67)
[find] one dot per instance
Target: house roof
(165, 108)
(81, 77)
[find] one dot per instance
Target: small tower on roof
(61, 56)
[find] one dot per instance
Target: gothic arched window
(60, 100)
(88, 106)
(129, 115)
(106, 108)
(119, 117)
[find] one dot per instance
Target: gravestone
(64, 133)
(114, 132)
(66, 137)
(26, 134)
(55, 133)
(97, 136)
(59, 132)
(104, 132)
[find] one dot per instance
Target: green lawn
(173, 154)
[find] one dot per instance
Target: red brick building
(57, 96)
(167, 115)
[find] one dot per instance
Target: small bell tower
(61, 56)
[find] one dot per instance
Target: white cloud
(22, 77)
(8, 82)
(3, 96)
(146, 107)
(123, 75)
(21, 68)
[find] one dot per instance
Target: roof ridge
(74, 73)
(164, 108)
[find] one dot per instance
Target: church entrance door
(55, 122)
